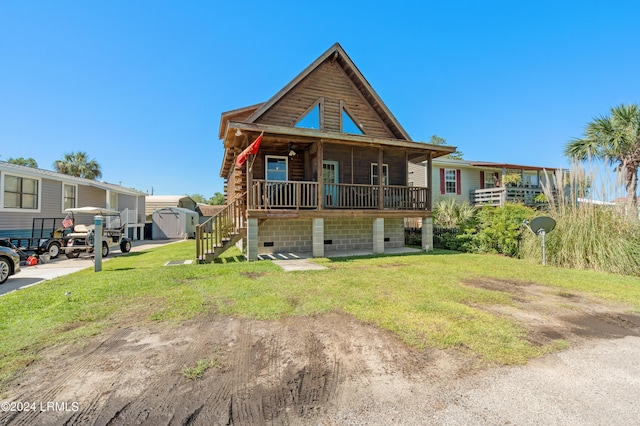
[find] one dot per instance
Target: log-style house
(331, 172)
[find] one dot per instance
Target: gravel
(595, 384)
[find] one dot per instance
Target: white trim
(385, 175)
(14, 210)
(76, 194)
(336, 169)
(108, 193)
(455, 181)
(279, 157)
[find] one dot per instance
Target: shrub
(497, 229)
(448, 213)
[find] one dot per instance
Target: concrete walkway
(31, 275)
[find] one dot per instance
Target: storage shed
(174, 222)
(156, 202)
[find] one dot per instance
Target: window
(374, 174)
(410, 180)
(310, 120)
(69, 196)
(348, 124)
(20, 192)
(531, 180)
(450, 181)
(276, 168)
(491, 179)
(113, 200)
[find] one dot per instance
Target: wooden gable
(329, 86)
(334, 82)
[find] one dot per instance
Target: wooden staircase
(222, 231)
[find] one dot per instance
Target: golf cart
(82, 237)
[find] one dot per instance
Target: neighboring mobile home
(331, 172)
(28, 193)
(482, 183)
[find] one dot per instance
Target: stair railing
(214, 231)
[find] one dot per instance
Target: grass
(197, 371)
(419, 297)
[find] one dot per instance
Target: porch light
(292, 153)
(238, 132)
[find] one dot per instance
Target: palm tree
(616, 139)
(21, 161)
(77, 164)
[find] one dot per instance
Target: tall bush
(588, 234)
(497, 229)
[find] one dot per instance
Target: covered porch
(301, 169)
(501, 183)
(499, 196)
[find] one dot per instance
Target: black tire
(105, 249)
(5, 270)
(125, 246)
(73, 255)
(53, 249)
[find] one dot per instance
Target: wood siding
(354, 163)
(329, 83)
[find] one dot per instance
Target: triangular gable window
(311, 120)
(349, 125)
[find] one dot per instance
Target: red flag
(251, 149)
(67, 222)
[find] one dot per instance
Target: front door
(330, 177)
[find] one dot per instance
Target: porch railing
(304, 195)
(488, 196)
(285, 194)
(498, 196)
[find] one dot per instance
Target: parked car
(9, 263)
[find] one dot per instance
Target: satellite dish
(542, 223)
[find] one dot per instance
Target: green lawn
(419, 297)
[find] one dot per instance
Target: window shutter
(442, 181)
(481, 179)
(458, 183)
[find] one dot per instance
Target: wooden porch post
(380, 180)
(406, 168)
(429, 181)
(249, 183)
(320, 172)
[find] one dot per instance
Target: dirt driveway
(332, 369)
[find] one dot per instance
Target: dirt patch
(253, 275)
(281, 372)
(553, 314)
(297, 370)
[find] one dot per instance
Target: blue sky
(140, 85)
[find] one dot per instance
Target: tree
(217, 199)
(615, 139)
(198, 198)
(21, 161)
(437, 140)
(78, 164)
